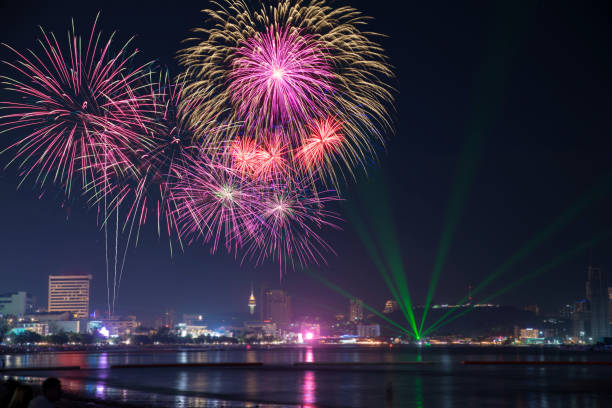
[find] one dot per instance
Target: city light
(104, 332)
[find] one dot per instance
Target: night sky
(532, 79)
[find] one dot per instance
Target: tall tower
(597, 295)
(252, 303)
(356, 310)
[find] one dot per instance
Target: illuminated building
(70, 293)
(195, 331)
(356, 310)
(38, 328)
(597, 295)
(610, 304)
(368, 330)
(16, 303)
(276, 307)
(67, 326)
(252, 302)
(580, 318)
(115, 326)
(530, 333)
(261, 330)
(390, 307)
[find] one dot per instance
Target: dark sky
(533, 80)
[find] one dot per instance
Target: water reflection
(447, 382)
(100, 388)
(182, 357)
(251, 383)
(418, 392)
(309, 358)
(309, 387)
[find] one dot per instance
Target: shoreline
(171, 348)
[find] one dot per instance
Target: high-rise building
(252, 303)
(356, 310)
(610, 304)
(276, 307)
(16, 303)
(580, 319)
(390, 307)
(599, 299)
(70, 293)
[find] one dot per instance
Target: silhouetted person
(21, 397)
(52, 391)
(6, 392)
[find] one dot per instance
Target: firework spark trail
(71, 107)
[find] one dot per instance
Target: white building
(16, 303)
(368, 330)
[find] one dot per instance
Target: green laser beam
(347, 295)
(466, 171)
(384, 229)
(595, 193)
(545, 268)
(370, 246)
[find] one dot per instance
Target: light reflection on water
(445, 383)
(309, 387)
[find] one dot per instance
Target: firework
(271, 159)
(324, 143)
(288, 65)
(78, 106)
(276, 104)
(290, 221)
(277, 219)
(168, 150)
(279, 77)
(215, 203)
(244, 156)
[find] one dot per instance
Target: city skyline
(588, 315)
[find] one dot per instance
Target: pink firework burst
(279, 77)
(78, 105)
